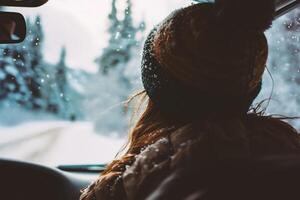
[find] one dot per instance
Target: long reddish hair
(151, 126)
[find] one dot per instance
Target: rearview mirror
(12, 28)
(22, 3)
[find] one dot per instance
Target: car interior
(26, 180)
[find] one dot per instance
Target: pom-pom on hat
(208, 58)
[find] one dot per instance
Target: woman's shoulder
(274, 133)
(271, 125)
(160, 151)
(148, 168)
(199, 141)
(157, 161)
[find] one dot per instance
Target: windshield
(63, 89)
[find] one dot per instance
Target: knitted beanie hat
(208, 57)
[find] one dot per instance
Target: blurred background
(62, 90)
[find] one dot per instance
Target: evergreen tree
(35, 37)
(53, 87)
(14, 70)
(61, 71)
(62, 84)
(129, 31)
(122, 39)
(119, 56)
(114, 22)
(22, 63)
(57, 92)
(27, 80)
(12, 84)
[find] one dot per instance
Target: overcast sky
(81, 25)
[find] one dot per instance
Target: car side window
(282, 82)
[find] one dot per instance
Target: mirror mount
(13, 25)
(23, 3)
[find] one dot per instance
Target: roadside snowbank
(56, 143)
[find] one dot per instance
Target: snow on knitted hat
(208, 54)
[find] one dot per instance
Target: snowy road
(56, 143)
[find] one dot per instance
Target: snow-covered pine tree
(23, 64)
(122, 40)
(50, 87)
(70, 82)
(111, 54)
(63, 87)
(61, 98)
(13, 86)
(129, 31)
(61, 70)
(113, 84)
(34, 43)
(14, 70)
(115, 23)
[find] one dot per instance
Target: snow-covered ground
(55, 143)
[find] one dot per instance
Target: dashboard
(21, 180)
